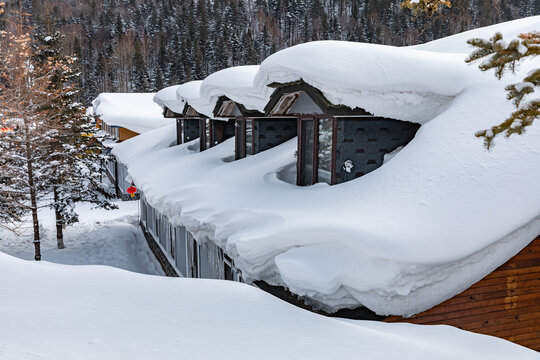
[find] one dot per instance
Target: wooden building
(505, 303)
(214, 131)
(254, 132)
(118, 133)
(336, 143)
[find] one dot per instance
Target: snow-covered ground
(101, 237)
(60, 312)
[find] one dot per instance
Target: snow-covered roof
(439, 216)
(400, 83)
(116, 314)
(136, 112)
(166, 98)
(236, 83)
(188, 93)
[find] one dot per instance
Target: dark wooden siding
(506, 303)
(365, 141)
(191, 129)
(270, 132)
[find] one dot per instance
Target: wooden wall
(125, 134)
(506, 303)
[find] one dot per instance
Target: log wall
(506, 303)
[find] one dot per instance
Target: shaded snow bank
(107, 313)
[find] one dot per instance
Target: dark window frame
(204, 142)
(300, 162)
(241, 136)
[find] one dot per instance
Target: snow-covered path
(101, 237)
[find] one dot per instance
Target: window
(205, 134)
(192, 255)
(316, 151)
(172, 242)
(249, 137)
(307, 148)
(182, 260)
(230, 272)
(324, 151)
(179, 133)
(208, 134)
(244, 139)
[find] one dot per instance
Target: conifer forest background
(136, 45)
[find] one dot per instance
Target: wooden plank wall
(124, 134)
(506, 303)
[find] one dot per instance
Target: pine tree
(73, 150)
(502, 57)
(429, 7)
(141, 81)
(24, 94)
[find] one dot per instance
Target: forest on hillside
(135, 45)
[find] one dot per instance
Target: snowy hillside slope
(438, 217)
(136, 112)
(97, 312)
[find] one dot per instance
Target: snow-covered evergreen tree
(74, 152)
(502, 56)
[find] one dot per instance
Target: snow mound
(136, 112)
(188, 92)
(106, 313)
(400, 83)
(236, 83)
(167, 98)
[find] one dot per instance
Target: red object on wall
(131, 190)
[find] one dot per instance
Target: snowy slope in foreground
(53, 312)
(136, 112)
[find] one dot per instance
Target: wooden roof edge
(243, 110)
(315, 94)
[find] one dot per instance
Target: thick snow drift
(400, 83)
(437, 217)
(236, 83)
(188, 92)
(52, 312)
(167, 98)
(136, 112)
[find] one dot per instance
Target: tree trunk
(33, 196)
(59, 222)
